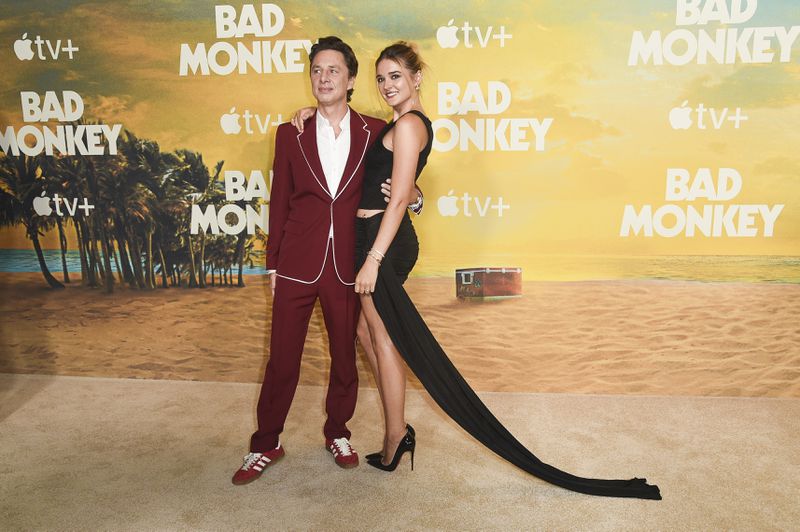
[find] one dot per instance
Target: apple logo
(679, 116)
(42, 205)
(230, 122)
(448, 205)
(446, 35)
(24, 48)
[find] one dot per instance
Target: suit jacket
(302, 210)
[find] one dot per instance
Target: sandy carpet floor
(615, 337)
(121, 454)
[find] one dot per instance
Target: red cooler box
(488, 282)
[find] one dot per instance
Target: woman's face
(395, 82)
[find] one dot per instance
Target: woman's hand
(301, 116)
(367, 276)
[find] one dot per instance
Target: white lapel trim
(325, 260)
(361, 159)
(316, 178)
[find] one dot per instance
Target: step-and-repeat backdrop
(576, 141)
(581, 140)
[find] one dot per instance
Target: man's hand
(273, 277)
(416, 205)
(386, 188)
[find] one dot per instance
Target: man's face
(330, 79)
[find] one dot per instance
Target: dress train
(447, 387)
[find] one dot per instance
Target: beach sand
(598, 337)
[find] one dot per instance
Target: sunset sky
(610, 143)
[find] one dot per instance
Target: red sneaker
(343, 453)
(255, 464)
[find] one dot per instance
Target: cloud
(590, 177)
(5, 119)
(720, 148)
(779, 166)
(72, 75)
(752, 86)
(109, 108)
(570, 74)
(568, 125)
(133, 115)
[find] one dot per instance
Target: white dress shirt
(333, 150)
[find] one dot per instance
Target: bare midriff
(368, 213)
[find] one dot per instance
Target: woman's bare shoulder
(411, 123)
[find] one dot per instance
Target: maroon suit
(312, 262)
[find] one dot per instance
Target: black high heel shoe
(407, 444)
(379, 455)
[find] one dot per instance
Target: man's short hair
(338, 45)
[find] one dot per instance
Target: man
(317, 179)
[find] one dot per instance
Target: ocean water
(24, 260)
(710, 268)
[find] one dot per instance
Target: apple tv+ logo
(231, 124)
(681, 117)
(449, 205)
(41, 205)
(23, 48)
(448, 37)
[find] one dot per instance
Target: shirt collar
(323, 122)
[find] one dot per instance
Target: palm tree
(21, 181)
(198, 183)
(214, 191)
(247, 254)
(57, 185)
(152, 195)
(96, 170)
(245, 244)
(142, 207)
(67, 172)
(172, 206)
(215, 251)
(87, 172)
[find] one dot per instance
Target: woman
(386, 250)
(385, 232)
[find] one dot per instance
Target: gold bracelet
(373, 257)
(378, 252)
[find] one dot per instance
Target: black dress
(424, 355)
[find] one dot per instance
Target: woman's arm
(409, 137)
(414, 199)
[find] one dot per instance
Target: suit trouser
(291, 312)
